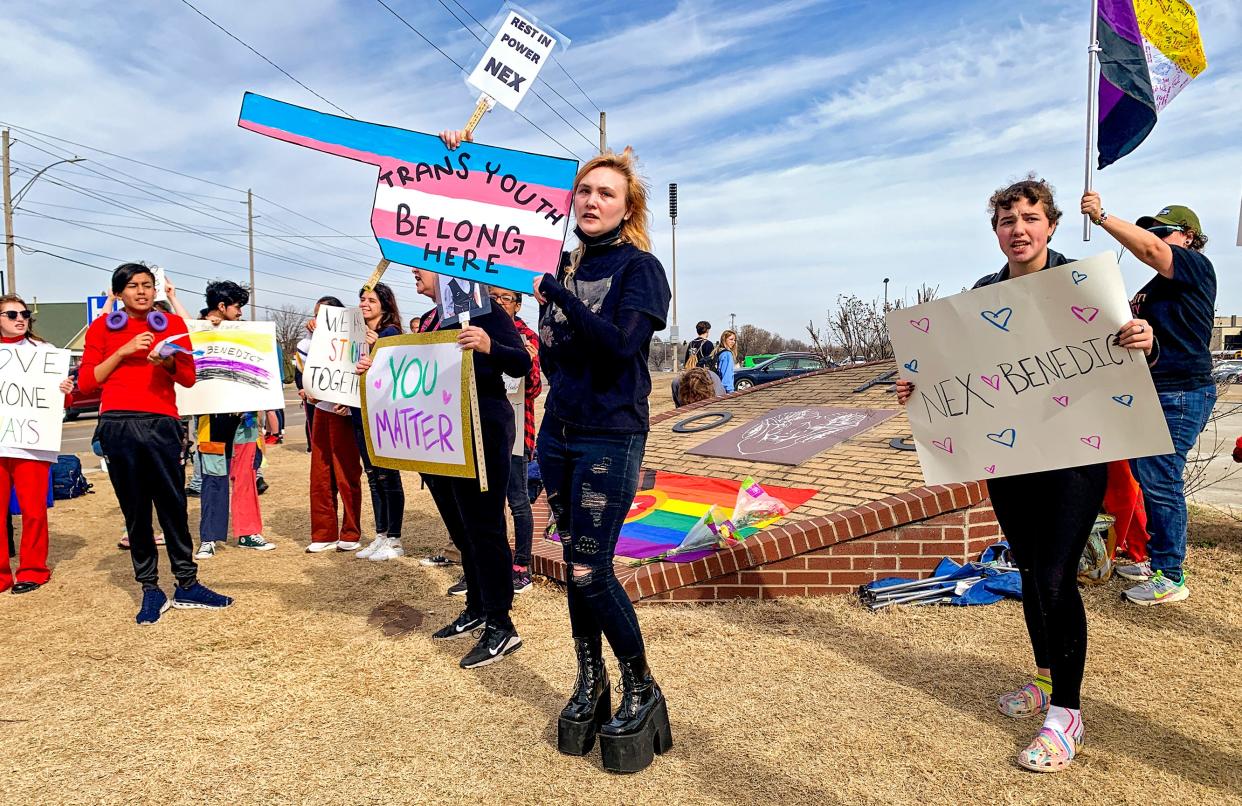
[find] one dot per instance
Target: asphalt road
(76, 436)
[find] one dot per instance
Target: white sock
(1066, 720)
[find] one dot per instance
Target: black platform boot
(639, 729)
(591, 703)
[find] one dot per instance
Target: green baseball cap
(1174, 215)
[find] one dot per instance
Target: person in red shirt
(25, 470)
(135, 355)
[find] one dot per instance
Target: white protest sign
(34, 407)
(517, 54)
(515, 390)
(416, 405)
(339, 340)
(161, 286)
(1023, 376)
(235, 369)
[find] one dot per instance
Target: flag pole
(1093, 51)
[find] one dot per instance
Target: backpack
(67, 478)
(698, 358)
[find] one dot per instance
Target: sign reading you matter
(416, 405)
(339, 341)
(488, 214)
(34, 407)
(1023, 376)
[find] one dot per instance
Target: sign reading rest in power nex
(510, 64)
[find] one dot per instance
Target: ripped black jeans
(591, 478)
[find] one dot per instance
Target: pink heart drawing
(990, 468)
(446, 396)
(946, 445)
(1093, 441)
(992, 381)
(1062, 399)
(377, 383)
(1085, 314)
(923, 324)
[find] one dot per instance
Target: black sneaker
(493, 646)
(193, 493)
(521, 580)
(459, 587)
(261, 486)
(460, 628)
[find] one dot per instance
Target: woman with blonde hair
(725, 358)
(596, 319)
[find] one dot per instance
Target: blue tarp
(996, 584)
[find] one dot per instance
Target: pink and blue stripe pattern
(483, 213)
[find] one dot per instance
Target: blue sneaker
(154, 603)
(199, 595)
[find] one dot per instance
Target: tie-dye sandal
(1051, 751)
(1030, 700)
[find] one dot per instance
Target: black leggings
(1047, 518)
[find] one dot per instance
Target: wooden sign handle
(475, 423)
(374, 279)
(485, 104)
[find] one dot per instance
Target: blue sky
(819, 146)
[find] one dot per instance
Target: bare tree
(290, 328)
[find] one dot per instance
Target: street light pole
(673, 335)
(886, 295)
(733, 322)
(250, 232)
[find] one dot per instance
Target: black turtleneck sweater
(595, 335)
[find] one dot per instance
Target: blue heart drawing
(1125, 400)
(912, 365)
(1078, 277)
(1005, 437)
(999, 317)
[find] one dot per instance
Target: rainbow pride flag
(1149, 51)
(482, 213)
(667, 505)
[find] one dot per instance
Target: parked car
(78, 402)
(781, 366)
(1227, 372)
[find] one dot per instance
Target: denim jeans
(591, 478)
(1160, 478)
(196, 481)
(519, 507)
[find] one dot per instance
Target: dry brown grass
(292, 696)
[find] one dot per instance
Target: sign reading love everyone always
(416, 405)
(1023, 376)
(34, 407)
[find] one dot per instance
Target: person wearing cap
(1179, 305)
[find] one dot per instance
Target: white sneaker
(375, 546)
(206, 550)
(1138, 572)
(391, 550)
(348, 545)
(316, 548)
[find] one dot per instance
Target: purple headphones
(156, 320)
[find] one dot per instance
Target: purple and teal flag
(1149, 51)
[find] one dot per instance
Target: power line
(264, 58)
(407, 24)
(534, 91)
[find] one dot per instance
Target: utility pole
(250, 232)
(603, 132)
(9, 257)
(673, 334)
(733, 322)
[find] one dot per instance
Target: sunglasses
(504, 298)
(1164, 230)
(12, 315)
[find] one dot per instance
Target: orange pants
(335, 469)
(1123, 499)
(30, 478)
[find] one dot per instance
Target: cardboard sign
(790, 435)
(34, 407)
(483, 213)
(517, 54)
(416, 405)
(236, 369)
(1023, 376)
(515, 390)
(339, 341)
